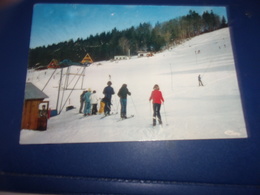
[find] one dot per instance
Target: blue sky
(53, 23)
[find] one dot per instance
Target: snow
(190, 112)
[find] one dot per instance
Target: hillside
(213, 111)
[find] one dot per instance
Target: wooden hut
(35, 109)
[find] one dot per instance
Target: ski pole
(133, 104)
(165, 114)
(151, 109)
(149, 106)
(117, 103)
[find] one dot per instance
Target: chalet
(144, 54)
(121, 57)
(35, 109)
(53, 64)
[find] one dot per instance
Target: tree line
(144, 37)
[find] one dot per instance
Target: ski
(159, 125)
(159, 122)
(106, 115)
(83, 117)
(122, 119)
(87, 116)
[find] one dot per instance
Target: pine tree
(223, 22)
(106, 45)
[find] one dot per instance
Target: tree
(106, 45)
(124, 44)
(223, 22)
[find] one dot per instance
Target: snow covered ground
(213, 111)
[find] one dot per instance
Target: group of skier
(90, 100)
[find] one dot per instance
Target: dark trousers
(107, 108)
(81, 106)
(156, 113)
(94, 108)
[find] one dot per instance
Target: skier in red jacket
(157, 98)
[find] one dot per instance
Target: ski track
(191, 112)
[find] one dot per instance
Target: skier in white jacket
(94, 101)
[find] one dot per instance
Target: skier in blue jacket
(87, 108)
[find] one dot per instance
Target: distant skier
(157, 98)
(200, 82)
(82, 101)
(122, 93)
(94, 102)
(108, 92)
(87, 108)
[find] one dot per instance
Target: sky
(54, 23)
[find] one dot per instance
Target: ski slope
(213, 111)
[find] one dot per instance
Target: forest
(144, 37)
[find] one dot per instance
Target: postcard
(130, 73)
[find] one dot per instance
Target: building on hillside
(54, 64)
(35, 109)
(121, 57)
(144, 54)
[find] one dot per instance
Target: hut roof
(32, 92)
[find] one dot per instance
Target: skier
(157, 98)
(122, 93)
(87, 108)
(94, 102)
(102, 106)
(108, 92)
(200, 82)
(82, 101)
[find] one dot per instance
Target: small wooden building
(144, 54)
(35, 109)
(121, 57)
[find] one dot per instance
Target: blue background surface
(230, 166)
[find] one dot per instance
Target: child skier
(102, 106)
(87, 108)
(94, 102)
(157, 98)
